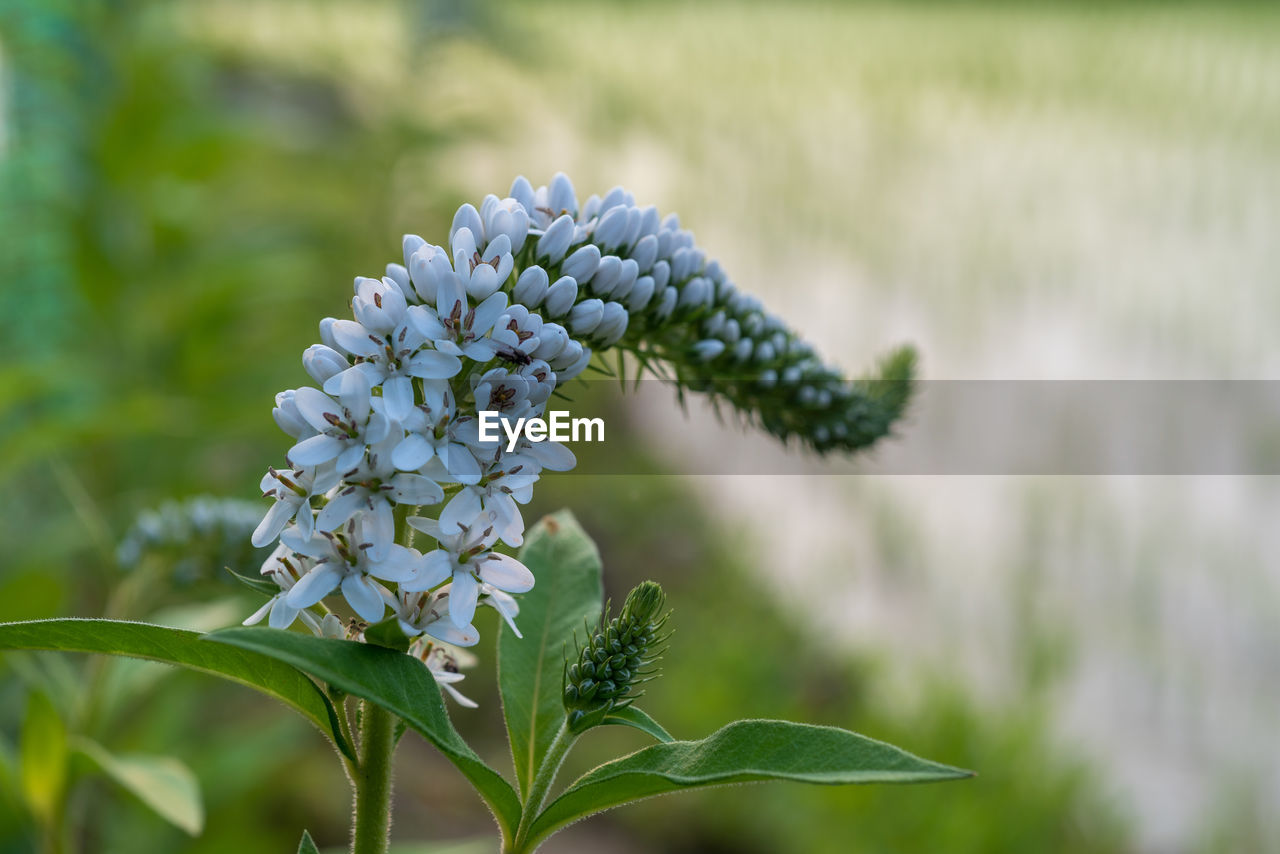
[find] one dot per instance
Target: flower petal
(462, 598)
(461, 511)
(432, 569)
(434, 365)
(401, 564)
(397, 396)
(363, 596)
(316, 450)
(355, 339)
(273, 523)
(341, 508)
(412, 453)
(314, 586)
(446, 631)
(380, 528)
(505, 573)
(416, 489)
(282, 614)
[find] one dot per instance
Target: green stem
(371, 833)
(541, 784)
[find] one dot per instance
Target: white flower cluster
(527, 289)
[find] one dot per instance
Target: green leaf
(633, 717)
(43, 757)
(567, 592)
(396, 682)
(307, 845)
(389, 634)
(742, 752)
(176, 646)
(257, 585)
(163, 783)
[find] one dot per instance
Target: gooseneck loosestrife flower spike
(393, 515)
(525, 292)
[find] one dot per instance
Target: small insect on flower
(514, 356)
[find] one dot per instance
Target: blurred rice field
(1040, 193)
(1050, 192)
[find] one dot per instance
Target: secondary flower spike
(516, 303)
(616, 657)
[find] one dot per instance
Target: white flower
(455, 326)
(508, 482)
(499, 390)
(293, 491)
(481, 274)
(516, 332)
(279, 567)
(465, 558)
(373, 489)
(432, 432)
(344, 426)
(391, 348)
(342, 560)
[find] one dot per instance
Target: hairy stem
(371, 831)
(541, 784)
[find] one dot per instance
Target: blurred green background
(1040, 192)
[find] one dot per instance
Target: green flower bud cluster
(618, 655)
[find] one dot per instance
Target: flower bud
(612, 228)
(507, 217)
(708, 349)
(289, 418)
(326, 332)
(616, 657)
(551, 340)
(560, 196)
(626, 279)
(576, 367)
(645, 252)
(555, 241)
(411, 243)
(581, 265)
(586, 316)
(323, 362)
(531, 288)
(560, 297)
(613, 324)
(668, 304)
(640, 294)
(522, 192)
(606, 275)
(469, 218)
